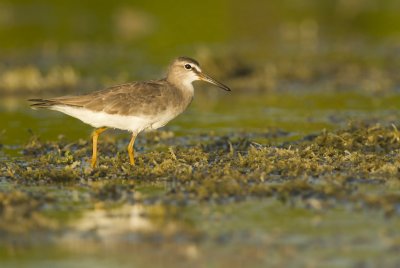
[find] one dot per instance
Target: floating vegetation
(323, 170)
(323, 69)
(329, 67)
(31, 79)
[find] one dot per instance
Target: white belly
(102, 119)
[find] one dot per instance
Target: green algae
(328, 168)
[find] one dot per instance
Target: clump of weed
(329, 167)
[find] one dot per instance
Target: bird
(134, 106)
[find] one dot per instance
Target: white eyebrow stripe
(196, 68)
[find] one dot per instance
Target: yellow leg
(95, 136)
(131, 149)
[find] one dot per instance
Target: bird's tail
(42, 103)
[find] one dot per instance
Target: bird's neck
(185, 86)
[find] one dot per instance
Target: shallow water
(219, 236)
(256, 231)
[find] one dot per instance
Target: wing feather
(139, 98)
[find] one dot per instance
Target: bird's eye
(188, 66)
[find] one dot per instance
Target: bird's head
(184, 70)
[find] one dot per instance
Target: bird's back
(138, 98)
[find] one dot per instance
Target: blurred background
(325, 60)
(296, 67)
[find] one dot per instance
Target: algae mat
(330, 199)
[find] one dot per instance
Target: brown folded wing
(140, 98)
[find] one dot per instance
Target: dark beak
(211, 80)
